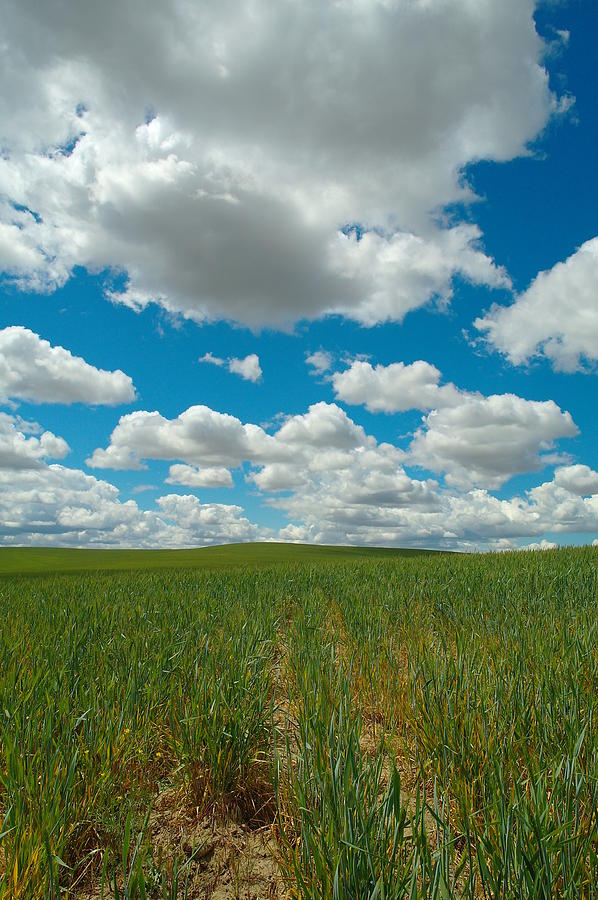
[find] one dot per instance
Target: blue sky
(375, 221)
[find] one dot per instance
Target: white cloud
(54, 505)
(564, 35)
(17, 451)
(210, 520)
(230, 202)
(556, 317)
(542, 545)
(202, 437)
(57, 501)
(335, 484)
(31, 369)
(486, 440)
(474, 440)
(191, 476)
(142, 488)
(393, 388)
(324, 427)
(577, 479)
(320, 361)
(212, 360)
(401, 272)
(247, 367)
(199, 436)
(295, 534)
(433, 517)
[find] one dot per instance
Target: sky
(299, 271)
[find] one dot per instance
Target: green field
(44, 560)
(328, 726)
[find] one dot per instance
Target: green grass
(413, 726)
(44, 560)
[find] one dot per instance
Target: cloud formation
(31, 369)
(193, 476)
(54, 505)
(320, 362)
(394, 388)
(200, 436)
(20, 448)
(486, 440)
(474, 519)
(542, 545)
(557, 317)
(333, 482)
(210, 520)
(472, 439)
(248, 367)
(220, 158)
(577, 479)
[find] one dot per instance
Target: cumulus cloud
(203, 437)
(319, 362)
(54, 505)
(333, 482)
(324, 427)
(394, 388)
(31, 369)
(176, 157)
(192, 476)
(473, 519)
(542, 545)
(248, 367)
(199, 436)
(336, 484)
(20, 451)
(577, 479)
(486, 440)
(296, 534)
(211, 520)
(556, 317)
(473, 439)
(399, 273)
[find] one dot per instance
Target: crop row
(418, 727)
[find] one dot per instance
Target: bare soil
(229, 860)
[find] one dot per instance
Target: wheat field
(321, 726)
